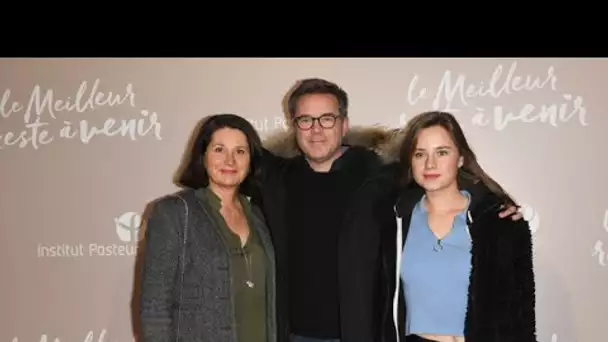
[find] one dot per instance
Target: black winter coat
(361, 289)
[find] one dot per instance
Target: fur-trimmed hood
(382, 140)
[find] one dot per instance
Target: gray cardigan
(186, 292)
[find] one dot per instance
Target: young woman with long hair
(462, 272)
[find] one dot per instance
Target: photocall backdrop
(86, 144)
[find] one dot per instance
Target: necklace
(249, 282)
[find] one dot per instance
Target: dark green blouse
(248, 273)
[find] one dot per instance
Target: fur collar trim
(382, 140)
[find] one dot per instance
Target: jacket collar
(482, 200)
(385, 142)
(207, 196)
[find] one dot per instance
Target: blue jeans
(296, 338)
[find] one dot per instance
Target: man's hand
(511, 210)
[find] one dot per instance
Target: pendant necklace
(248, 282)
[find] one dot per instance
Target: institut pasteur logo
(127, 236)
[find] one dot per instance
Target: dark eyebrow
(439, 147)
(318, 116)
(220, 144)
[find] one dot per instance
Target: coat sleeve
(525, 297)
(271, 164)
(159, 273)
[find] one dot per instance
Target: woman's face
(227, 159)
(435, 161)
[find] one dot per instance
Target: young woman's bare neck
(445, 200)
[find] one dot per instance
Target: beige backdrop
(85, 144)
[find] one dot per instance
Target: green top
(248, 273)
